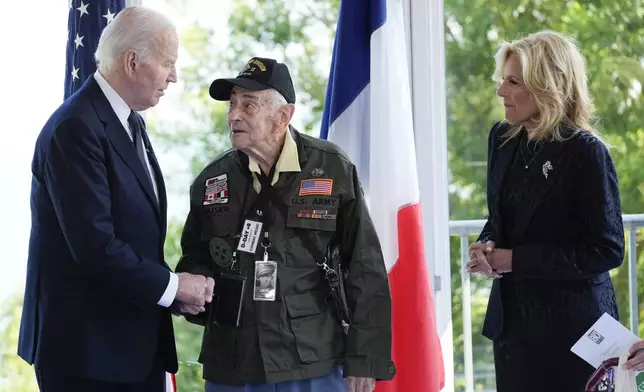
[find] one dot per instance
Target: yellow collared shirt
(289, 161)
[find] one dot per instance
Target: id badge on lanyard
(265, 276)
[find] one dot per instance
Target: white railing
(465, 229)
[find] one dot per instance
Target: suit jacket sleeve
(195, 257)
(77, 179)
(368, 344)
(600, 247)
(486, 233)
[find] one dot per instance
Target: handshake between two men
(194, 292)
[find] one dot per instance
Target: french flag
(367, 112)
(170, 382)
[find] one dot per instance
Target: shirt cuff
(170, 292)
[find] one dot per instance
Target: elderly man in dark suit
(97, 302)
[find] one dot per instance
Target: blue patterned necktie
(137, 139)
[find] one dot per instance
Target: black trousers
(54, 381)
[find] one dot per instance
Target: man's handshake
(194, 292)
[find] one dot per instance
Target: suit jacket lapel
(158, 176)
(504, 155)
(121, 141)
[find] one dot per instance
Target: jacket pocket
(313, 213)
(317, 334)
(218, 347)
(312, 223)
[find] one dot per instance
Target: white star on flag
(83, 9)
(109, 16)
(79, 41)
(75, 73)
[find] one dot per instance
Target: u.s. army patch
(216, 190)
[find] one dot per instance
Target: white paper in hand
(607, 338)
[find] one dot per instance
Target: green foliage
(187, 336)
(15, 374)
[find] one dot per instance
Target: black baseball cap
(258, 74)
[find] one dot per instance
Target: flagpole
(427, 65)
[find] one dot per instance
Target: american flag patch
(323, 186)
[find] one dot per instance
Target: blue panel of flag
(349, 74)
(86, 21)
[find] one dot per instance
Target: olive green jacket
(297, 336)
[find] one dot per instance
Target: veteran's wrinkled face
(518, 100)
(252, 119)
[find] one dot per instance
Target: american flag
(86, 20)
(316, 187)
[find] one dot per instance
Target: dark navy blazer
(569, 235)
(96, 268)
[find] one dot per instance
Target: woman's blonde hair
(554, 70)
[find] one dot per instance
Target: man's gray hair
(275, 98)
(134, 28)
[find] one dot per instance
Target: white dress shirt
(122, 111)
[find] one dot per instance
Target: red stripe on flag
(170, 382)
(416, 345)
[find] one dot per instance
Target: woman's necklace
(525, 161)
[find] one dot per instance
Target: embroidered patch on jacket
(315, 214)
(322, 186)
(216, 191)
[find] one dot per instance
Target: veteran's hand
(191, 309)
(360, 384)
(479, 263)
(636, 357)
(210, 290)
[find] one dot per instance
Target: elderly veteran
(264, 213)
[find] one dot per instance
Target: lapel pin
(317, 172)
(546, 168)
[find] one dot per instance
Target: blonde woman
(554, 228)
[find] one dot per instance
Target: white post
(427, 39)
